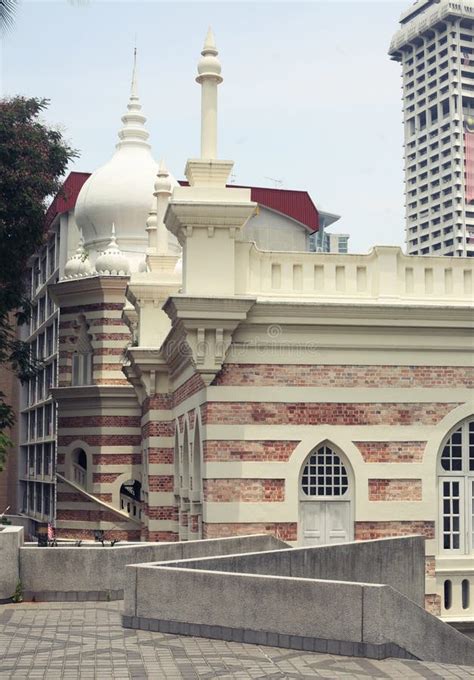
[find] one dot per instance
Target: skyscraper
(435, 46)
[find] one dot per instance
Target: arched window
(79, 467)
(196, 472)
(456, 490)
(177, 481)
(324, 474)
(185, 463)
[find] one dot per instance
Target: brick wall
(394, 489)
(187, 389)
(311, 375)
(286, 531)
(244, 490)
(99, 421)
(160, 482)
(392, 452)
(227, 451)
(270, 413)
(368, 530)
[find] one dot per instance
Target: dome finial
(209, 43)
(112, 262)
(79, 264)
(133, 132)
(133, 88)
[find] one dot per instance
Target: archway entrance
(325, 499)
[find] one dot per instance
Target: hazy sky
(309, 97)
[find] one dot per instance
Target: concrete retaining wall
(11, 538)
(397, 562)
(94, 572)
(204, 597)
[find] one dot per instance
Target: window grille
(451, 460)
(324, 474)
(456, 490)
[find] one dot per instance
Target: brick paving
(86, 641)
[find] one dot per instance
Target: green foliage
(7, 13)
(5, 444)
(18, 594)
(33, 160)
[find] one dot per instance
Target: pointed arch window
(456, 490)
(324, 474)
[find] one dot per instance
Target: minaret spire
(163, 190)
(209, 77)
(133, 88)
(133, 132)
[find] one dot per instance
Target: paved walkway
(86, 641)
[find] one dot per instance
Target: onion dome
(121, 191)
(79, 264)
(112, 262)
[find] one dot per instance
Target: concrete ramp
(325, 599)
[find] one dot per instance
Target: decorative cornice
(294, 312)
(201, 334)
(147, 372)
(182, 216)
(144, 288)
(76, 291)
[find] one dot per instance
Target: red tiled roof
(66, 198)
(295, 204)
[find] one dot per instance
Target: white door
(338, 521)
(325, 522)
(313, 521)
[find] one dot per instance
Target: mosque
(217, 378)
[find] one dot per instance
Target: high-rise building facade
(435, 46)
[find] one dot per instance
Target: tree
(7, 13)
(33, 160)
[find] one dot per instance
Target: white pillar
(209, 70)
(209, 119)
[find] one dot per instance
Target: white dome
(79, 264)
(121, 191)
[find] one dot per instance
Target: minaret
(207, 216)
(159, 255)
(209, 70)
(207, 170)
